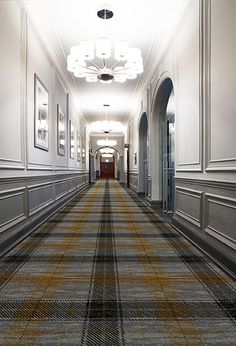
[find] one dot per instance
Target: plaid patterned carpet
(106, 270)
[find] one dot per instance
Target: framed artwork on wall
(40, 115)
(78, 147)
(60, 131)
(72, 140)
(135, 158)
(83, 150)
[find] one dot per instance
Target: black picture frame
(41, 114)
(61, 131)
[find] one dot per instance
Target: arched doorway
(164, 112)
(107, 163)
(107, 167)
(143, 154)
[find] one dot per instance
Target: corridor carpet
(106, 270)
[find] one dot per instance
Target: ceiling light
(107, 155)
(106, 142)
(106, 126)
(129, 62)
(107, 151)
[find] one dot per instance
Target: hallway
(106, 270)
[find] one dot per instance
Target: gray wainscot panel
(189, 205)
(12, 207)
(134, 181)
(61, 188)
(39, 196)
(72, 184)
(221, 218)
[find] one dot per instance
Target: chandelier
(128, 62)
(107, 151)
(106, 142)
(106, 126)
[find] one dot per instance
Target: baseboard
(217, 255)
(154, 203)
(11, 238)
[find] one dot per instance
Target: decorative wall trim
(16, 234)
(12, 216)
(196, 166)
(188, 195)
(229, 206)
(11, 164)
(227, 185)
(223, 258)
(149, 187)
(31, 195)
(223, 164)
(134, 181)
(32, 166)
(42, 201)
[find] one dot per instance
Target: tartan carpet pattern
(106, 270)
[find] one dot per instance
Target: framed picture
(72, 140)
(135, 158)
(60, 131)
(83, 151)
(78, 147)
(40, 114)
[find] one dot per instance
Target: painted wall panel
(189, 205)
(187, 91)
(223, 81)
(61, 99)
(38, 62)
(221, 218)
(10, 86)
(61, 188)
(11, 207)
(39, 196)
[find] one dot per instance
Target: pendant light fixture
(106, 126)
(128, 65)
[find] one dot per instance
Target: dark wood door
(107, 170)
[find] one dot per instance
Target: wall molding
(223, 202)
(221, 164)
(226, 185)
(197, 165)
(14, 235)
(17, 217)
(221, 257)
(37, 188)
(193, 194)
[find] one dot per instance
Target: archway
(107, 162)
(143, 154)
(164, 117)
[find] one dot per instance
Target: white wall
(33, 182)
(11, 93)
(201, 64)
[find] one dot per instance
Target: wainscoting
(133, 176)
(25, 202)
(206, 212)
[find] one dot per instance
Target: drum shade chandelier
(106, 126)
(128, 62)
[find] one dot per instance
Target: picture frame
(135, 158)
(41, 99)
(61, 133)
(78, 147)
(83, 151)
(72, 140)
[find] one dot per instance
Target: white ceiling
(144, 24)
